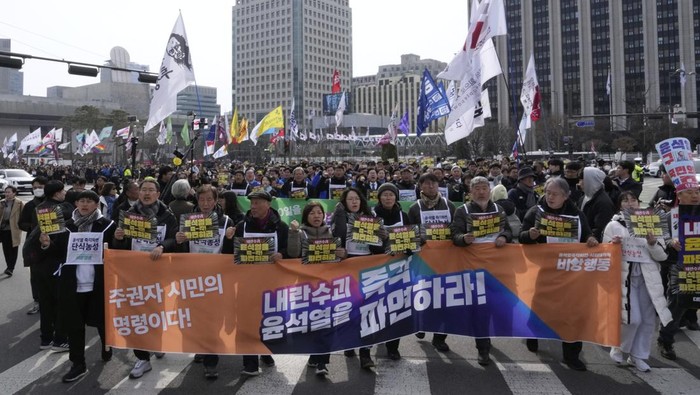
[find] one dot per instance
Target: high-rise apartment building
(11, 81)
(641, 44)
(288, 49)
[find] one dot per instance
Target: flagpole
(518, 137)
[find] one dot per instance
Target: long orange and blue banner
(199, 303)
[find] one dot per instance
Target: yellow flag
(271, 121)
(233, 132)
(242, 131)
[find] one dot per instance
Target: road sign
(588, 123)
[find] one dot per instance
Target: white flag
(176, 73)
(487, 22)
(529, 95)
(608, 85)
(91, 140)
(682, 75)
(4, 147)
(50, 137)
(469, 120)
(162, 134)
(32, 141)
(64, 145)
(58, 135)
(451, 93)
(123, 133)
(221, 152)
(340, 110)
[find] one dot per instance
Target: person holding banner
(432, 209)
(390, 211)
(642, 292)
(297, 187)
(353, 204)
(312, 227)
(221, 244)
(407, 187)
(556, 204)
(52, 335)
(81, 278)
(332, 188)
(150, 207)
(262, 221)
(688, 194)
(474, 223)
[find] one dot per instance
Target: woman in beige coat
(10, 234)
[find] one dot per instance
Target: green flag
(169, 131)
(185, 134)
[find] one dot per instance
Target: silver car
(18, 178)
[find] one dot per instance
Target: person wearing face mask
(642, 292)
(47, 264)
(312, 227)
(595, 204)
(571, 175)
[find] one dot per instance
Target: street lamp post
(670, 104)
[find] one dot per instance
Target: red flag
(536, 106)
(278, 135)
(336, 82)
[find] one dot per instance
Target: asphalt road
(26, 369)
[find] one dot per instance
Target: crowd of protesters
(440, 191)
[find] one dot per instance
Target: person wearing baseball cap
(262, 221)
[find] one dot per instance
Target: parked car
(3, 184)
(654, 168)
(18, 178)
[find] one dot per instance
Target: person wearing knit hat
(390, 211)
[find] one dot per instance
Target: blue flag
(403, 125)
(432, 103)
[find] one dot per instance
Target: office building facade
(11, 81)
(286, 50)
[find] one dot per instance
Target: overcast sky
(86, 30)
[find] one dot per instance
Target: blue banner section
(396, 299)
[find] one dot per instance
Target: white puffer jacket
(650, 272)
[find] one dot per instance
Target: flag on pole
(32, 141)
(271, 121)
(234, 129)
(336, 82)
(64, 145)
(243, 131)
(487, 22)
(123, 133)
(432, 103)
(451, 93)
(293, 127)
(404, 125)
(221, 152)
(515, 153)
(162, 133)
(176, 73)
(169, 131)
(682, 75)
(185, 133)
(530, 95)
(91, 141)
(4, 147)
(339, 112)
(210, 141)
(277, 136)
(105, 132)
(227, 130)
(608, 85)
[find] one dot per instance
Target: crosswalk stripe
(32, 369)
(164, 371)
(279, 379)
(670, 380)
(406, 376)
(531, 378)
